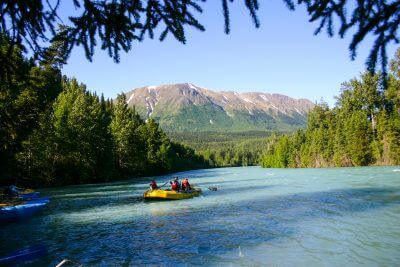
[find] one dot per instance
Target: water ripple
(258, 217)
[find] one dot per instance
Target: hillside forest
(53, 131)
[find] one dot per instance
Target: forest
(225, 149)
(362, 129)
(53, 131)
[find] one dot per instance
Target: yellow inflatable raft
(169, 194)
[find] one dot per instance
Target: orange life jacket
(185, 184)
(175, 185)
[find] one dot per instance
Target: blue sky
(282, 56)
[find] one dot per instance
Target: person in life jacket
(185, 184)
(153, 185)
(175, 184)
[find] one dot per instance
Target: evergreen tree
(157, 147)
(29, 91)
(358, 137)
(363, 128)
(128, 143)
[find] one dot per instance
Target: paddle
(164, 184)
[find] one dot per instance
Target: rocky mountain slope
(187, 107)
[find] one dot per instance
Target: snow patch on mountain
(158, 97)
(149, 107)
(150, 88)
(251, 113)
(264, 98)
(248, 100)
(130, 98)
(275, 107)
(192, 87)
(229, 114)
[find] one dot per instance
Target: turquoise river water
(258, 217)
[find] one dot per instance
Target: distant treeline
(55, 132)
(362, 129)
(233, 153)
(198, 139)
(226, 149)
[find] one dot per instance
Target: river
(274, 217)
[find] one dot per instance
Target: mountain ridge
(188, 107)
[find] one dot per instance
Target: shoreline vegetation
(362, 129)
(55, 132)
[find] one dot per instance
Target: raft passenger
(175, 185)
(185, 184)
(153, 185)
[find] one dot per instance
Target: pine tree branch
(117, 25)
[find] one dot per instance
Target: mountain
(187, 108)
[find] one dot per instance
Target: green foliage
(362, 129)
(376, 17)
(28, 92)
(71, 144)
(157, 147)
(283, 151)
(200, 139)
(225, 149)
(55, 132)
(116, 25)
(127, 145)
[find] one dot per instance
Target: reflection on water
(341, 216)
